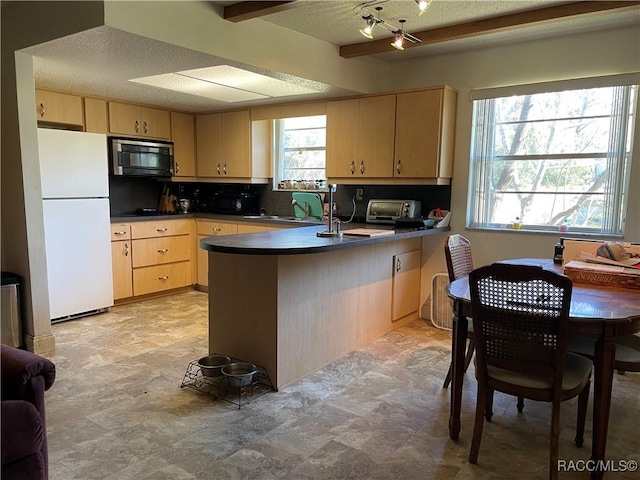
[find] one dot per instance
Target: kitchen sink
(285, 218)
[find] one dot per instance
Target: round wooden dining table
(603, 313)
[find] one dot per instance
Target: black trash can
(11, 327)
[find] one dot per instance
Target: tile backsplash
(129, 193)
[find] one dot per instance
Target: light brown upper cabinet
(53, 107)
(184, 144)
(376, 135)
(224, 147)
(96, 116)
(360, 137)
(425, 123)
(342, 137)
(139, 121)
(397, 138)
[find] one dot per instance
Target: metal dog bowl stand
(219, 387)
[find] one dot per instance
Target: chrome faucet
(333, 225)
(305, 209)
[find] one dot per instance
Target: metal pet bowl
(211, 365)
(239, 374)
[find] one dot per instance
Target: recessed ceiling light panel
(246, 80)
(193, 86)
(226, 83)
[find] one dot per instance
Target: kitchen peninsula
(293, 302)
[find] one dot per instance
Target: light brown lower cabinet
(152, 256)
(246, 228)
(121, 260)
(210, 228)
(122, 272)
(161, 277)
(406, 284)
(156, 251)
(204, 229)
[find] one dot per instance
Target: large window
(552, 159)
(301, 152)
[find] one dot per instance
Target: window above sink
(300, 153)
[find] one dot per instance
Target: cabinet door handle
(398, 169)
(164, 250)
(126, 249)
(166, 277)
(119, 233)
(398, 265)
(353, 167)
(224, 168)
(161, 229)
(144, 126)
(177, 167)
(137, 125)
(42, 110)
(215, 229)
(362, 167)
(218, 169)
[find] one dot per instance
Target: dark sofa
(25, 377)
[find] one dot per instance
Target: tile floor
(117, 412)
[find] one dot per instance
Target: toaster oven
(388, 211)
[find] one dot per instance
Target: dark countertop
(205, 216)
(303, 240)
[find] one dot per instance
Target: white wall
(22, 239)
(577, 56)
(200, 26)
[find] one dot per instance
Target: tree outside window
(553, 159)
(301, 152)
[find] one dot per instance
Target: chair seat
(627, 348)
(576, 369)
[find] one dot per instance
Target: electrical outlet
(359, 193)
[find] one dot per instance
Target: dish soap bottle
(564, 227)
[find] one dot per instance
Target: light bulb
(398, 42)
(367, 31)
(423, 5)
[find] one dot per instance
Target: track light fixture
(367, 31)
(423, 5)
(398, 43)
(371, 20)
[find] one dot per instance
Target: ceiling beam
(241, 11)
(487, 25)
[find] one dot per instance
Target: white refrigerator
(75, 199)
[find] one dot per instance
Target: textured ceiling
(339, 22)
(100, 62)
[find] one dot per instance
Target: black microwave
(135, 157)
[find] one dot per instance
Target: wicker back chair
(457, 252)
(520, 317)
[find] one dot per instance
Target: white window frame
(279, 155)
(618, 158)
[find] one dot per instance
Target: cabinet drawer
(216, 228)
(160, 228)
(155, 251)
(161, 277)
(120, 231)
